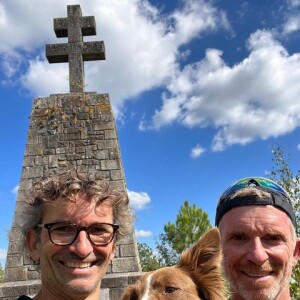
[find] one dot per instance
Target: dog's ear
(203, 262)
(205, 254)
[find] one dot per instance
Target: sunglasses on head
(254, 181)
(278, 197)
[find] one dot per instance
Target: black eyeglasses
(64, 233)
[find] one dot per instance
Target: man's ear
(32, 244)
(113, 251)
(296, 252)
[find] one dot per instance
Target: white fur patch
(146, 295)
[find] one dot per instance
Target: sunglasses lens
(271, 185)
(263, 182)
(234, 187)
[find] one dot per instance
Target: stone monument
(70, 130)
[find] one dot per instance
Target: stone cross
(75, 51)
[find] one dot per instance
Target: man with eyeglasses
(71, 228)
(258, 231)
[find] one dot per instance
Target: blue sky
(201, 91)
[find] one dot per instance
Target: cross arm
(87, 24)
(57, 53)
(93, 51)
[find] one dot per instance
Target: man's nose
(81, 246)
(257, 252)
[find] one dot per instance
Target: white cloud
(142, 45)
(292, 15)
(298, 147)
(15, 190)
(291, 25)
(256, 98)
(293, 3)
(37, 77)
(197, 151)
(139, 200)
(142, 233)
(3, 253)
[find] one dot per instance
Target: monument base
(112, 287)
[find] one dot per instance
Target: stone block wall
(112, 286)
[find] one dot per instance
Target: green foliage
(149, 261)
(191, 222)
(290, 181)
(1, 273)
(295, 289)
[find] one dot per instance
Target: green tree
(191, 222)
(290, 181)
(149, 261)
(1, 273)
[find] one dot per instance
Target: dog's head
(196, 276)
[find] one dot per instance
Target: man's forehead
(255, 211)
(257, 217)
(79, 205)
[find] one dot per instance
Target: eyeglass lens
(65, 233)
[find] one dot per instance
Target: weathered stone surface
(118, 185)
(15, 234)
(15, 274)
(119, 280)
(127, 240)
(15, 260)
(102, 154)
(15, 248)
(33, 275)
(32, 172)
(104, 294)
(110, 134)
(110, 164)
(34, 149)
(116, 175)
(127, 264)
(12, 290)
(128, 250)
(112, 287)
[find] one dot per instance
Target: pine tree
(149, 261)
(1, 273)
(191, 222)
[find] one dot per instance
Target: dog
(196, 276)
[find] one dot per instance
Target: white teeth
(72, 264)
(258, 275)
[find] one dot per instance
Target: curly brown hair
(66, 186)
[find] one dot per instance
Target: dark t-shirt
(24, 298)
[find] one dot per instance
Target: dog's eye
(170, 289)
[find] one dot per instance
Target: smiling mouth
(77, 265)
(257, 275)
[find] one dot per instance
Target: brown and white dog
(196, 276)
